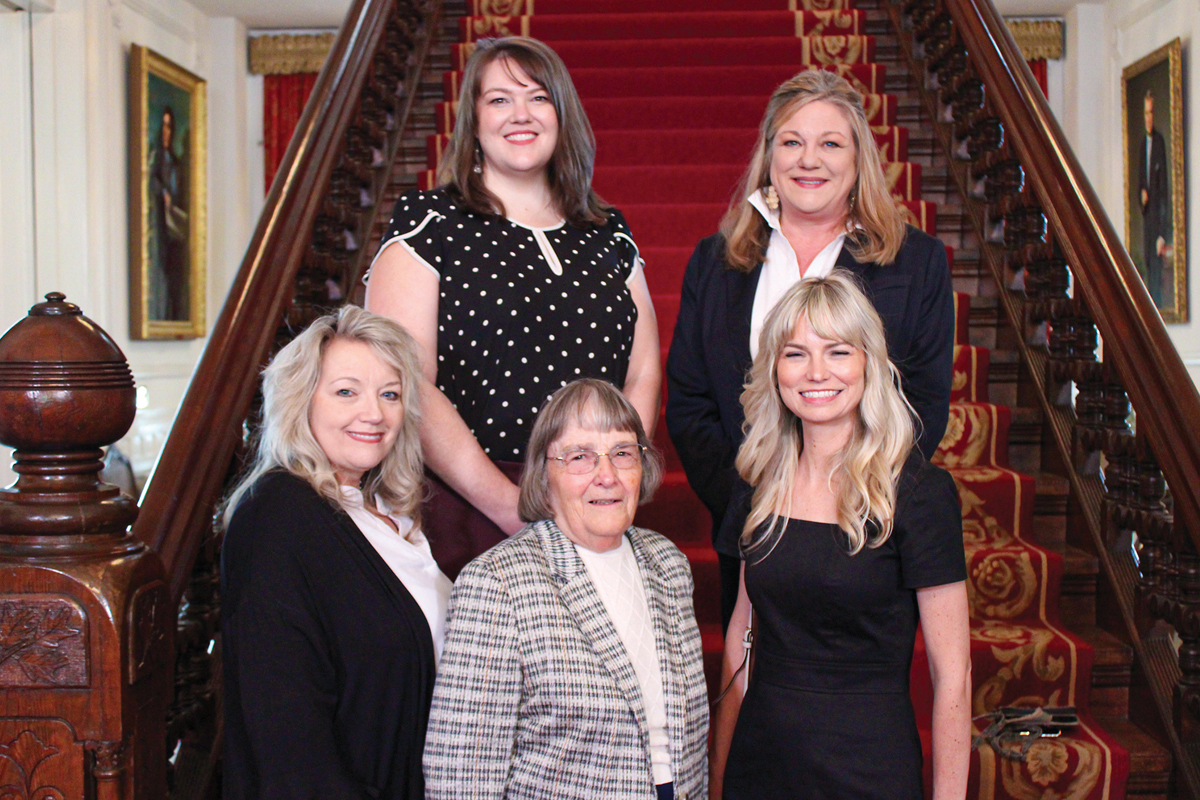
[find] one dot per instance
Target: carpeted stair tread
(660, 114)
(921, 214)
(731, 51)
(758, 80)
(1149, 761)
(669, 25)
(705, 571)
(706, 184)
(1015, 663)
(676, 511)
(1085, 762)
(666, 310)
(969, 381)
(625, 147)
(663, 224)
(665, 267)
(547, 7)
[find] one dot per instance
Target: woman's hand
(726, 713)
(946, 627)
(406, 290)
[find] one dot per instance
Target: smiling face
(518, 126)
(821, 380)
(814, 163)
(356, 411)
(594, 509)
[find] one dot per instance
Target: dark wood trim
(177, 504)
(1142, 359)
(1146, 361)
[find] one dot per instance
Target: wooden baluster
(1185, 608)
(84, 616)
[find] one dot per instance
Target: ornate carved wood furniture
(85, 622)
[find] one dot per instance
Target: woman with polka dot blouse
(515, 278)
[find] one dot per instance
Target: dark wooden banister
(1146, 361)
(177, 504)
(1037, 216)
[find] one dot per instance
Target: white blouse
(781, 270)
(408, 554)
(618, 581)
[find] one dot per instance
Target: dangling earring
(478, 168)
(772, 198)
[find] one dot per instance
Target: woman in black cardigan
(333, 609)
(814, 197)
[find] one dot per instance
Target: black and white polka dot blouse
(521, 311)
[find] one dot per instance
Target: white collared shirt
(781, 270)
(407, 553)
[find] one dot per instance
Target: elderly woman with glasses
(572, 666)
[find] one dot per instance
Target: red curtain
(284, 97)
(1038, 66)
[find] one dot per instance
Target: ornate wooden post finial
(65, 391)
(85, 622)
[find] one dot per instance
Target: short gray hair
(593, 404)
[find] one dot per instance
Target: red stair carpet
(675, 90)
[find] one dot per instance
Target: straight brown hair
(569, 172)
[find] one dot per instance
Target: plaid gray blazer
(535, 694)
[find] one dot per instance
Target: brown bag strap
(747, 660)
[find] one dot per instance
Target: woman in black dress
(515, 279)
(814, 197)
(852, 538)
(333, 610)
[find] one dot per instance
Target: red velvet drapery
(284, 97)
(1038, 66)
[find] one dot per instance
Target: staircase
(675, 90)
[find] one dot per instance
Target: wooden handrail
(1147, 363)
(187, 480)
(1037, 215)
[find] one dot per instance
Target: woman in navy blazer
(814, 198)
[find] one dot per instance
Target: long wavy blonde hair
(866, 472)
(286, 440)
(877, 225)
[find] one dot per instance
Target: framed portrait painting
(168, 157)
(1155, 184)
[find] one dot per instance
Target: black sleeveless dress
(828, 713)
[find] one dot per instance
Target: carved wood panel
(43, 641)
(40, 760)
(148, 618)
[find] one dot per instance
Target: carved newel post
(85, 628)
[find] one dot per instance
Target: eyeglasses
(581, 462)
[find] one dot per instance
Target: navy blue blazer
(710, 356)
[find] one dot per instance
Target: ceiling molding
(1037, 38)
(288, 54)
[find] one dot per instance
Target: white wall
(63, 184)
(1102, 39)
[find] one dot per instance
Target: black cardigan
(328, 659)
(710, 356)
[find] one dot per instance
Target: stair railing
(303, 259)
(1067, 283)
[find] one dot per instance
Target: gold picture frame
(1155, 177)
(168, 168)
